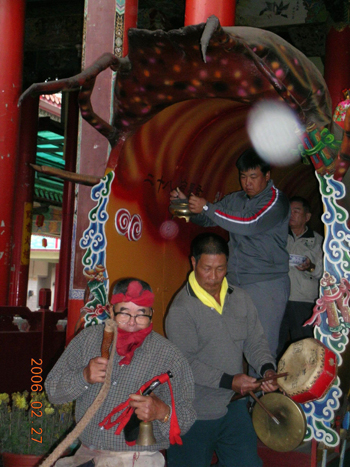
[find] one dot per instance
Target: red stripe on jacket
(256, 216)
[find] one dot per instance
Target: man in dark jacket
(257, 221)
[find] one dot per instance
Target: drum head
(312, 368)
(292, 427)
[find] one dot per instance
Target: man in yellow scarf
(214, 324)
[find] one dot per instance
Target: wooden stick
(82, 179)
(269, 378)
(237, 396)
(258, 401)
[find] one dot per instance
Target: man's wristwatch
(205, 207)
(311, 268)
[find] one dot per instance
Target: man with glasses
(141, 355)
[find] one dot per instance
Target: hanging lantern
(340, 110)
(39, 220)
(44, 242)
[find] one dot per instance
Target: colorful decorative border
(119, 28)
(94, 260)
(320, 413)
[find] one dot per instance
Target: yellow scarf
(206, 298)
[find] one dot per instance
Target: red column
(197, 11)
(11, 58)
(22, 221)
(70, 153)
(130, 21)
(337, 62)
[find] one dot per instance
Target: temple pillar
(130, 21)
(197, 11)
(23, 206)
(337, 61)
(12, 14)
(70, 156)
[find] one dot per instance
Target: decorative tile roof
(49, 152)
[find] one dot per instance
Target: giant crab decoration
(202, 62)
(196, 62)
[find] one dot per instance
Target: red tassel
(124, 417)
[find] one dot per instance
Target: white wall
(41, 275)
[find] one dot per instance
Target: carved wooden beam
(81, 179)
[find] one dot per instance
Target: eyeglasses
(124, 318)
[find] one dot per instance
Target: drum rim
(325, 352)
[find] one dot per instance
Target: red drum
(312, 368)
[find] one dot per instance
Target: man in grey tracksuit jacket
(257, 221)
(258, 229)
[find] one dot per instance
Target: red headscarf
(134, 294)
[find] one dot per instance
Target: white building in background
(42, 268)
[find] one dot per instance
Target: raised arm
(236, 216)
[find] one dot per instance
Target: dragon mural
(180, 105)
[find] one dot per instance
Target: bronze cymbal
(292, 427)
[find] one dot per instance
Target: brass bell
(179, 208)
(146, 437)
